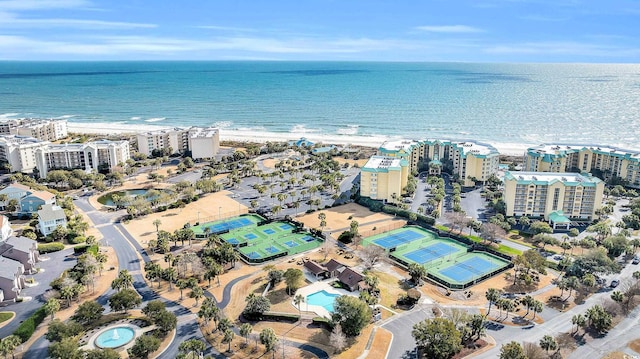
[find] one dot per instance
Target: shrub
(323, 322)
(80, 249)
(50, 247)
(280, 317)
(26, 329)
(78, 240)
(346, 237)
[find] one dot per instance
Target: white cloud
(452, 29)
(563, 48)
(8, 21)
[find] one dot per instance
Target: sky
(585, 31)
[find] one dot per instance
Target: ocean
(494, 103)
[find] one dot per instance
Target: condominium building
(43, 130)
(204, 142)
(604, 162)
(552, 195)
(97, 155)
(20, 152)
(471, 161)
(384, 178)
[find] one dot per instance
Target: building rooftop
(377, 163)
(548, 178)
(51, 212)
(22, 244)
(561, 150)
(397, 145)
(475, 148)
(200, 132)
(9, 267)
(21, 140)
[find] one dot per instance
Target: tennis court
(430, 253)
(221, 226)
(397, 237)
(291, 244)
(470, 267)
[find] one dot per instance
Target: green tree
(245, 330)
(294, 278)
(416, 272)
(166, 321)
(58, 330)
(67, 348)
(438, 338)
(51, 307)
(105, 353)
(9, 344)
(579, 321)
(512, 350)
(352, 314)
(143, 346)
(196, 293)
(269, 339)
(256, 305)
(538, 227)
(123, 280)
(153, 309)
(548, 343)
(192, 348)
(492, 296)
(228, 338)
(88, 312)
(124, 300)
(298, 300)
(477, 325)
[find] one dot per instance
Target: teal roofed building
(302, 142)
(552, 195)
(384, 178)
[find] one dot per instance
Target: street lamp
(198, 217)
(219, 215)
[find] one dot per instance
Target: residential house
(334, 267)
(316, 269)
(29, 201)
(21, 249)
(50, 217)
(11, 278)
(350, 278)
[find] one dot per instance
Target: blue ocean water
(507, 103)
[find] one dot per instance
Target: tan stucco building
(384, 178)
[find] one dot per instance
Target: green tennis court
(217, 227)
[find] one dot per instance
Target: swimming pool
(323, 299)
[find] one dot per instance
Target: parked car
(636, 260)
(614, 283)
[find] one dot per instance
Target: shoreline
(105, 128)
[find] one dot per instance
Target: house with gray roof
(12, 279)
(29, 200)
(21, 249)
(51, 216)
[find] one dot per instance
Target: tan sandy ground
(338, 220)
(380, 344)
(635, 345)
(618, 355)
(102, 284)
(351, 162)
(206, 208)
(270, 162)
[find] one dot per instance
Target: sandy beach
(512, 149)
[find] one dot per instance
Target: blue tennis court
(272, 249)
(229, 225)
(427, 254)
(285, 226)
(395, 239)
(254, 255)
(250, 236)
(269, 231)
(291, 244)
(469, 269)
(308, 238)
(232, 241)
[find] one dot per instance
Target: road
(127, 252)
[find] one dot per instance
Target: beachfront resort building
(471, 161)
(556, 197)
(202, 142)
(27, 201)
(384, 178)
(90, 156)
(43, 130)
(19, 152)
(603, 162)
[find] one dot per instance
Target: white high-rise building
(43, 130)
(202, 142)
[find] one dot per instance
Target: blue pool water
(323, 299)
(115, 337)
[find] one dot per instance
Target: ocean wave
(8, 116)
(135, 118)
(303, 129)
(253, 128)
(155, 119)
(64, 117)
(349, 130)
(222, 124)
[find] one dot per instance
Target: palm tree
(548, 343)
(157, 223)
(617, 296)
(182, 284)
(196, 293)
(298, 300)
(537, 308)
(578, 320)
(228, 338)
(492, 296)
(9, 344)
(245, 330)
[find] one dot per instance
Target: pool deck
(317, 287)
